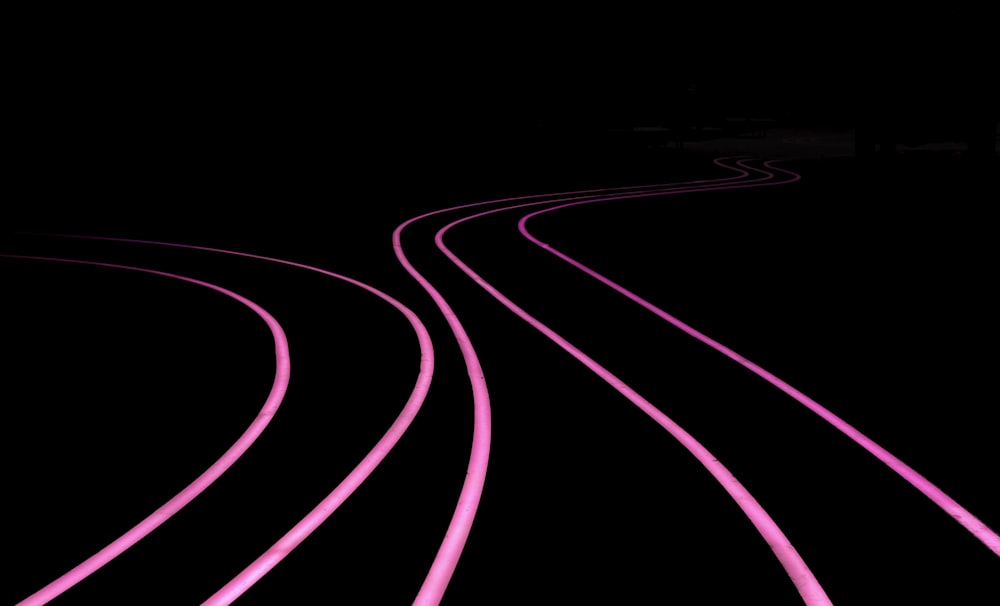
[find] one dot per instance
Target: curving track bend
(528, 462)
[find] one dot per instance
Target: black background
(197, 126)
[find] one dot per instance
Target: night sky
(186, 94)
(417, 66)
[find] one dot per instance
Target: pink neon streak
(168, 509)
(262, 565)
(450, 551)
(443, 566)
(277, 552)
(446, 560)
(971, 523)
(800, 574)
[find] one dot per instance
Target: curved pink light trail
(168, 509)
(445, 563)
(450, 551)
(446, 560)
(800, 574)
(971, 523)
(451, 548)
(277, 552)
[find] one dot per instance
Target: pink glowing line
(973, 524)
(443, 566)
(799, 573)
(168, 509)
(451, 548)
(277, 552)
(450, 551)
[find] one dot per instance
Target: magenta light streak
(800, 574)
(277, 552)
(443, 566)
(446, 560)
(973, 524)
(262, 565)
(146, 526)
(450, 551)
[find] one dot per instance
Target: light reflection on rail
(744, 175)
